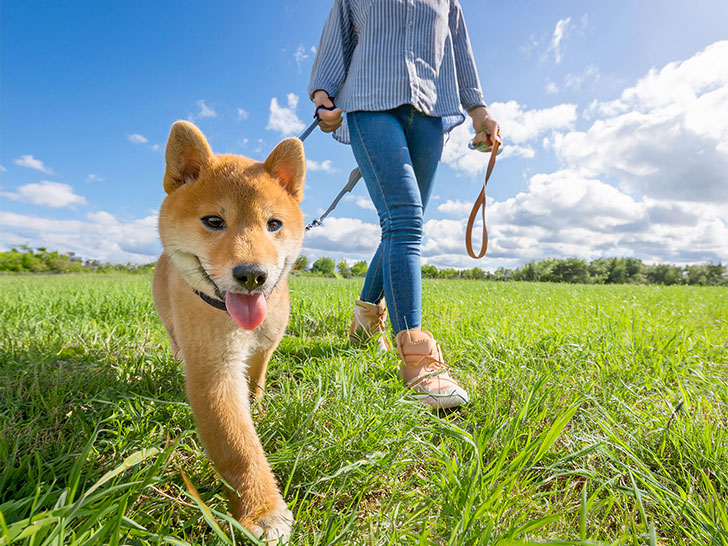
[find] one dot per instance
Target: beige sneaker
(425, 372)
(369, 324)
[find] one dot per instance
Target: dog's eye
(274, 225)
(213, 222)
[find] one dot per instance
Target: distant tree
(696, 274)
(11, 261)
(429, 271)
(635, 270)
(300, 264)
(664, 274)
(448, 273)
(617, 273)
(324, 266)
(599, 270)
(344, 269)
(570, 270)
(475, 273)
(528, 272)
(544, 270)
(359, 269)
(716, 275)
(502, 274)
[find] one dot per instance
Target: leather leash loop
(480, 204)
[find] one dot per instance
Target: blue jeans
(397, 151)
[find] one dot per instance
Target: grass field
(599, 415)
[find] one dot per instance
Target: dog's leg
(219, 399)
(258, 364)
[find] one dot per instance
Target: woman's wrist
(486, 127)
(321, 96)
(482, 120)
(479, 111)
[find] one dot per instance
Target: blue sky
(615, 119)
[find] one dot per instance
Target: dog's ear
(188, 153)
(287, 163)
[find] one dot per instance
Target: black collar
(217, 303)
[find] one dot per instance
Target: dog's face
(231, 222)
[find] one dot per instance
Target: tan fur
(223, 362)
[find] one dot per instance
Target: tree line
(569, 270)
(23, 259)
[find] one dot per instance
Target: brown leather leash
(480, 204)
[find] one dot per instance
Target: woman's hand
(329, 120)
(487, 130)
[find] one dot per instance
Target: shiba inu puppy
(231, 229)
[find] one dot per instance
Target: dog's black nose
(250, 275)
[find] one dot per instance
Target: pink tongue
(248, 310)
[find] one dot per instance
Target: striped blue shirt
(379, 54)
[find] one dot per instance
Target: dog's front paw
(274, 527)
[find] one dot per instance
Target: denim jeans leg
(381, 143)
(425, 141)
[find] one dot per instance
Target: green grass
(599, 415)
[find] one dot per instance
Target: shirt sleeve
(334, 52)
(469, 89)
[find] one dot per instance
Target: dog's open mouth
(248, 310)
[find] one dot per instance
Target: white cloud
(242, 114)
(576, 81)
(514, 150)
(301, 55)
(560, 32)
(531, 46)
(564, 214)
(103, 237)
(646, 180)
(51, 194)
(323, 166)
(665, 137)
(518, 126)
(204, 111)
(456, 208)
(103, 217)
(364, 203)
(343, 236)
(361, 201)
(32, 163)
(94, 178)
(2, 169)
(551, 88)
(136, 138)
(284, 119)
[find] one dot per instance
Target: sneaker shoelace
(381, 323)
(436, 366)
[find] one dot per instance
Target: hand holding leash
(317, 120)
(330, 117)
(485, 127)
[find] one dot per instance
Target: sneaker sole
(457, 397)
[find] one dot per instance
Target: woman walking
(401, 70)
